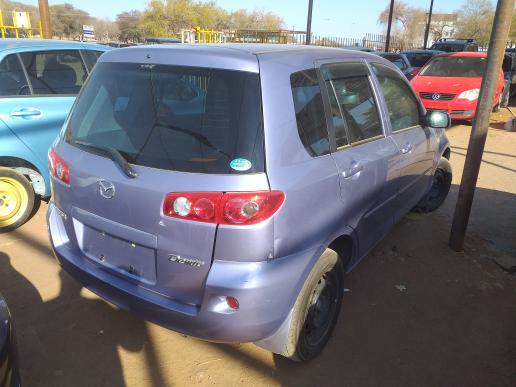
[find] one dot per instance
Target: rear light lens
(58, 167)
(233, 208)
(414, 72)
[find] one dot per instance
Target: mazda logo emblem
(106, 189)
(436, 96)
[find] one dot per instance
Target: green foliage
(67, 21)
(166, 18)
(475, 20)
(128, 28)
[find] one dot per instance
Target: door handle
(352, 170)
(406, 149)
(26, 112)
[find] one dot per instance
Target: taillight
(414, 72)
(58, 167)
(234, 208)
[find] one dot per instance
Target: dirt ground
(416, 313)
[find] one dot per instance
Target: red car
(451, 83)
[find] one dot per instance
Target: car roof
(49, 43)
(237, 56)
(421, 51)
(466, 53)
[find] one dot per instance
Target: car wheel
(496, 107)
(504, 102)
(440, 188)
(316, 309)
(17, 199)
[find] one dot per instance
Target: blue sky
(349, 18)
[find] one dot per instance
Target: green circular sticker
(240, 164)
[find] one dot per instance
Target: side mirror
(437, 119)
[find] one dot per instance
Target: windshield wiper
(113, 154)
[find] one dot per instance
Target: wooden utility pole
(388, 37)
(477, 140)
(44, 16)
(309, 22)
(427, 30)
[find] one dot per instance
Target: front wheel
(440, 188)
(316, 309)
(16, 199)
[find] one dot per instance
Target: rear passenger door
(37, 109)
(365, 157)
(413, 140)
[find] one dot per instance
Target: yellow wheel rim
(13, 201)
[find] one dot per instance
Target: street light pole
(428, 24)
(388, 37)
(477, 140)
(44, 17)
(309, 23)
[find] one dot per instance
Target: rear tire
(439, 190)
(316, 309)
(17, 199)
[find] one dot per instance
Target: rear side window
(91, 57)
(400, 100)
(12, 78)
(54, 72)
(350, 85)
(310, 117)
(177, 118)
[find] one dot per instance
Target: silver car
(223, 191)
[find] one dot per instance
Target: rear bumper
(266, 292)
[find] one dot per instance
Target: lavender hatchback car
(223, 191)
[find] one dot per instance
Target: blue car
(39, 80)
(222, 190)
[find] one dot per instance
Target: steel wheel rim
(322, 307)
(13, 201)
(437, 186)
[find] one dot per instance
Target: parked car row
(223, 192)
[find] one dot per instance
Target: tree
(408, 23)
(475, 20)
(128, 26)
(168, 17)
(260, 19)
(512, 33)
(67, 21)
(105, 29)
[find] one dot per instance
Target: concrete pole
(477, 140)
(44, 16)
(427, 30)
(309, 23)
(388, 37)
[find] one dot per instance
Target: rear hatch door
(180, 129)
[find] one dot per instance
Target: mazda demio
(223, 191)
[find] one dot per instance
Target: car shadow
(417, 313)
(71, 340)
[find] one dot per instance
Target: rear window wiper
(113, 154)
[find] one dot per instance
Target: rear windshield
(448, 47)
(455, 66)
(395, 59)
(418, 59)
(177, 118)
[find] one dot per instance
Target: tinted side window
(90, 58)
(308, 104)
(400, 100)
(352, 89)
(54, 72)
(12, 78)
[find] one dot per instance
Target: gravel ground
(416, 313)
